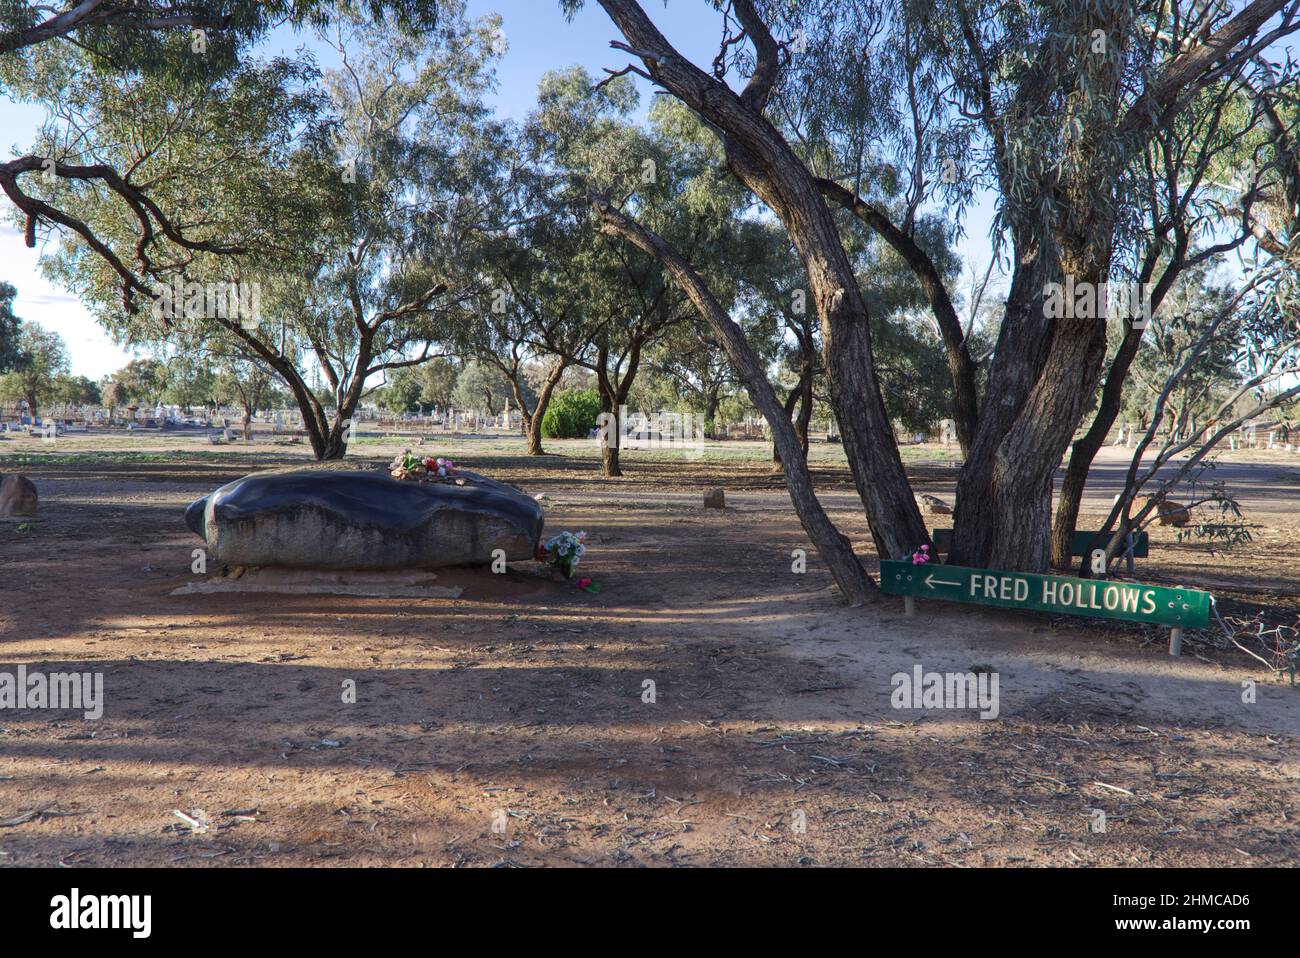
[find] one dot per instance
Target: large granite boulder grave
(335, 517)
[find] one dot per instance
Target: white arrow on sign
(931, 581)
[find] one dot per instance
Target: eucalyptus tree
(42, 360)
(9, 326)
(909, 355)
(141, 381)
(695, 368)
(437, 381)
(158, 38)
(404, 181)
(400, 392)
(1241, 362)
(615, 304)
(609, 304)
(71, 391)
(348, 194)
(244, 382)
(1174, 332)
(1222, 178)
(533, 322)
(772, 285)
(677, 185)
(189, 380)
(482, 387)
(132, 32)
(1050, 104)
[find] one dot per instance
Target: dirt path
(508, 727)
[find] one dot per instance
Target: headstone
(715, 499)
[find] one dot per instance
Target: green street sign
(1064, 595)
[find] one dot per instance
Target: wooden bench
(1081, 544)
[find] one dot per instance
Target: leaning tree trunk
(868, 436)
(833, 547)
(763, 161)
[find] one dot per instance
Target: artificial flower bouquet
(564, 551)
(408, 466)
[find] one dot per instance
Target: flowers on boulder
(408, 466)
(442, 468)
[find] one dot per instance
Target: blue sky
(539, 39)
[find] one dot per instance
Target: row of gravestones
(1246, 439)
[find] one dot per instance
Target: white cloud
(90, 349)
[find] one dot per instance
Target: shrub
(571, 414)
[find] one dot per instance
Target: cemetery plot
(520, 693)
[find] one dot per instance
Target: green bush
(571, 414)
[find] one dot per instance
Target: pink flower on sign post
(921, 556)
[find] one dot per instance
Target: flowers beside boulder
(563, 553)
(410, 467)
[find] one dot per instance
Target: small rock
(936, 506)
(715, 499)
(17, 496)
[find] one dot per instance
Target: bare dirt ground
(519, 704)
